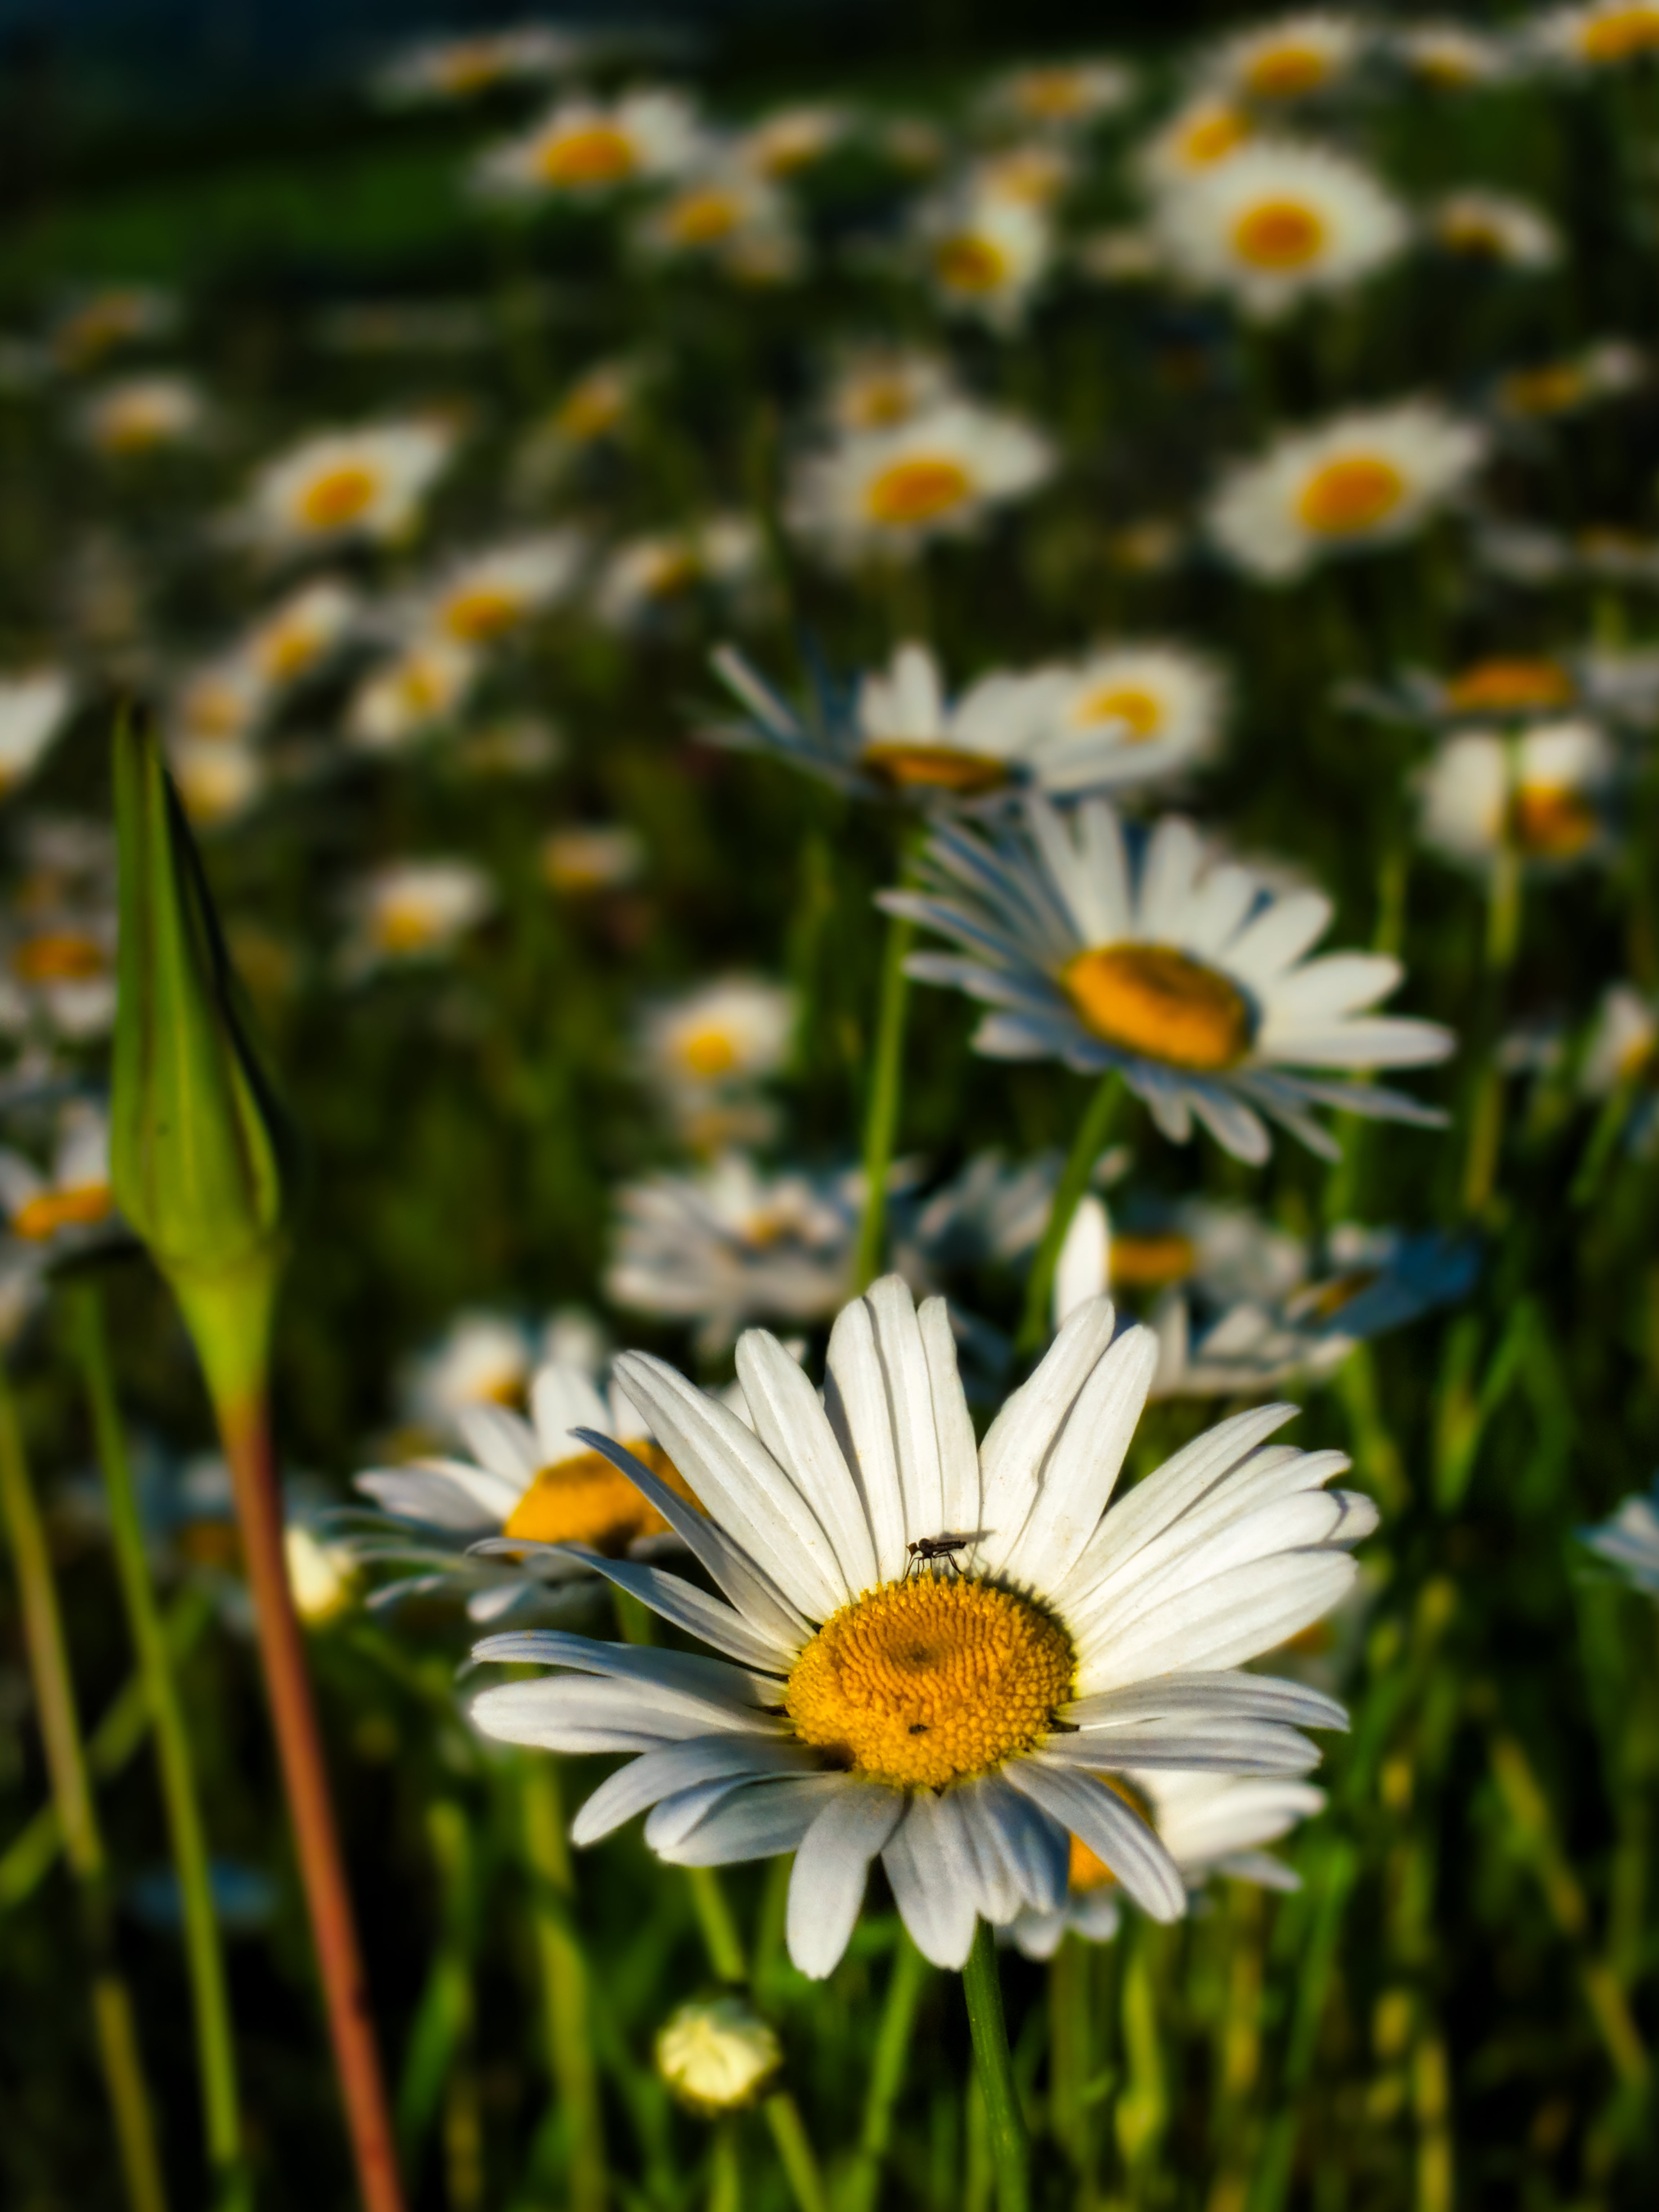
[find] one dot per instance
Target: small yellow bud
(717, 2055)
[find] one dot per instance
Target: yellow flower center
(1152, 1000)
(935, 768)
(215, 710)
(969, 263)
(589, 411)
(404, 926)
(1087, 1871)
(132, 426)
(1124, 703)
(1544, 391)
(1551, 823)
(482, 611)
(1279, 235)
(59, 957)
(1287, 72)
(918, 492)
(330, 501)
(586, 1500)
(1500, 686)
(599, 153)
(81, 1206)
(1213, 136)
(1471, 234)
(287, 650)
(921, 1683)
(1347, 496)
(1147, 1263)
(700, 218)
(709, 1052)
(1622, 35)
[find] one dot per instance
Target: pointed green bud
(196, 1138)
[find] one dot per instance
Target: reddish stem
(246, 1437)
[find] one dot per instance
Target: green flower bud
(717, 2055)
(195, 1140)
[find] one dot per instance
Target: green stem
(794, 2151)
(83, 1841)
(886, 1089)
(564, 1981)
(1086, 1148)
(892, 2052)
(215, 2049)
(719, 1929)
(994, 2064)
(1610, 1124)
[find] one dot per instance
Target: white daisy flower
(489, 595)
(735, 1031)
(1603, 371)
(1278, 220)
(101, 321)
(987, 254)
(218, 778)
(961, 1721)
(414, 910)
(1487, 226)
(70, 1204)
(791, 139)
(527, 1507)
(1210, 1824)
(1539, 795)
(347, 483)
(1165, 961)
(460, 69)
(1207, 129)
(1033, 175)
(729, 1243)
(1290, 58)
(58, 975)
(141, 413)
(727, 214)
(883, 494)
(1225, 1252)
(1366, 478)
(597, 857)
(33, 708)
(1607, 35)
(1242, 1351)
(1624, 1041)
(421, 689)
(222, 701)
(1061, 96)
(302, 631)
(482, 1358)
(1451, 57)
(1141, 712)
(586, 149)
(651, 578)
(1629, 1539)
(874, 388)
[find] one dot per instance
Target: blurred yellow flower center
(700, 218)
(878, 401)
(918, 492)
(338, 496)
(1279, 235)
(1141, 710)
(1543, 390)
(1471, 234)
(1152, 1000)
(589, 411)
(920, 1683)
(1351, 495)
(1146, 1263)
(1213, 136)
(405, 926)
(81, 1206)
(1621, 35)
(130, 428)
(215, 710)
(59, 956)
(1089, 1871)
(600, 155)
(1502, 685)
(586, 1500)
(1287, 72)
(709, 1052)
(1552, 823)
(468, 69)
(483, 610)
(1050, 94)
(287, 650)
(969, 263)
(935, 768)
(673, 571)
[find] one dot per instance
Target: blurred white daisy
(1629, 1539)
(1539, 795)
(1366, 478)
(1453, 56)
(1605, 36)
(1061, 96)
(586, 149)
(734, 1030)
(482, 1358)
(883, 494)
(64, 1207)
(1605, 370)
(1161, 959)
(1206, 130)
(1152, 710)
(1623, 1041)
(218, 778)
(141, 413)
(961, 1721)
(1210, 1824)
(412, 910)
(790, 139)
(578, 860)
(987, 254)
(729, 217)
(221, 702)
(460, 69)
(653, 578)
(872, 387)
(57, 973)
(303, 630)
(100, 322)
(1277, 220)
(1292, 58)
(486, 596)
(1035, 174)
(347, 483)
(34, 705)
(1487, 226)
(419, 691)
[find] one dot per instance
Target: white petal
(698, 1614)
(658, 1774)
(911, 1399)
(503, 1441)
(855, 1400)
(1220, 1747)
(757, 1822)
(1227, 1620)
(1115, 1833)
(562, 1398)
(1079, 1472)
(1024, 1856)
(958, 1448)
(567, 1716)
(790, 1421)
(1010, 1458)
(826, 1883)
(934, 1882)
(442, 1494)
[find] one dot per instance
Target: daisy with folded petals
(1541, 796)
(883, 495)
(1210, 1824)
(347, 483)
(1159, 958)
(33, 708)
(1482, 225)
(141, 414)
(1294, 58)
(1364, 479)
(1278, 220)
(1629, 1539)
(962, 1715)
(586, 150)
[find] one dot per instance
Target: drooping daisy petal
(826, 1883)
(1111, 1829)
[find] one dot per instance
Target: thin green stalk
(995, 2066)
(1086, 1148)
(1610, 1126)
(1069, 2040)
(443, 2020)
(31, 1856)
(564, 1981)
(1485, 1129)
(83, 1841)
(904, 1988)
(886, 1090)
(794, 2150)
(719, 1929)
(724, 2168)
(215, 2048)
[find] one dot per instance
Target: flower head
(883, 494)
(1477, 225)
(413, 910)
(341, 484)
(1296, 58)
(1451, 57)
(70, 1205)
(717, 2055)
(588, 150)
(1539, 795)
(141, 413)
(461, 69)
(1608, 34)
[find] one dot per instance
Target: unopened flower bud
(717, 2054)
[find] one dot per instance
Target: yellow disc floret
(935, 768)
(1349, 496)
(918, 492)
(921, 1683)
(586, 1500)
(1152, 1000)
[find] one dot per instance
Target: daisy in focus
(586, 150)
(964, 1718)
(1540, 796)
(414, 910)
(342, 484)
(884, 493)
(1278, 220)
(141, 414)
(1159, 958)
(34, 705)
(1296, 58)
(1365, 479)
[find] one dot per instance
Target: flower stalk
(1086, 1148)
(993, 2063)
(886, 1091)
(564, 1980)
